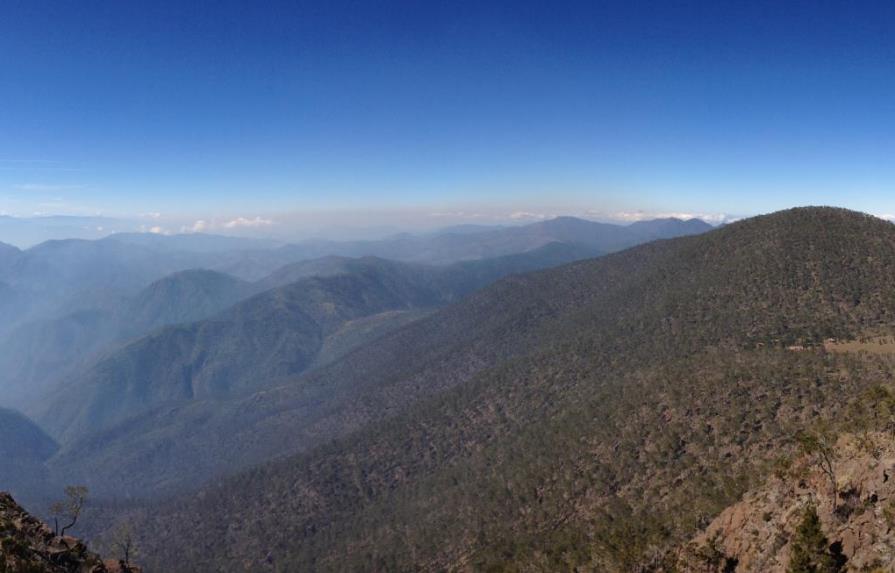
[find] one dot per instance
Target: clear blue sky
(229, 109)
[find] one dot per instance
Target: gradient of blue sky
(225, 109)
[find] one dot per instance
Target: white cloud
(154, 229)
(243, 222)
(199, 226)
(528, 216)
(204, 225)
(634, 216)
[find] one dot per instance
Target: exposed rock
(27, 545)
(755, 534)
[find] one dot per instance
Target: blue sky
(345, 113)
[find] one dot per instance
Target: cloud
(199, 226)
(634, 216)
(528, 216)
(243, 222)
(204, 225)
(151, 215)
(154, 229)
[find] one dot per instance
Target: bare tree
(122, 539)
(820, 446)
(70, 508)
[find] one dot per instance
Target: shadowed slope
(23, 450)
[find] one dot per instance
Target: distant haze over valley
(340, 391)
(332, 286)
(25, 232)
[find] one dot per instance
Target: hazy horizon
(25, 232)
(341, 285)
(293, 119)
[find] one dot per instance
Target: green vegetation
(588, 417)
(810, 551)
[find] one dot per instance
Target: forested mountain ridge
(265, 338)
(274, 335)
(200, 420)
(66, 301)
(451, 247)
(185, 296)
(36, 356)
(191, 438)
(604, 410)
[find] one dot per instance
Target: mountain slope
(192, 438)
(36, 356)
(8, 256)
(23, 448)
(275, 335)
(186, 296)
(759, 532)
(266, 338)
(590, 416)
(28, 545)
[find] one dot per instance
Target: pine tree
(810, 553)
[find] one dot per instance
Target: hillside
(761, 532)
(8, 256)
(455, 280)
(186, 296)
(263, 339)
(24, 448)
(29, 546)
(36, 356)
(11, 305)
(589, 416)
(273, 336)
(191, 437)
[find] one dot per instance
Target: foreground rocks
(756, 534)
(27, 545)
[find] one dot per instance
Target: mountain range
(593, 416)
(58, 276)
(337, 397)
(193, 374)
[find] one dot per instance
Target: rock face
(756, 534)
(28, 546)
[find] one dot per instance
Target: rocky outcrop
(857, 517)
(27, 545)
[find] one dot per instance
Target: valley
(595, 415)
(447, 287)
